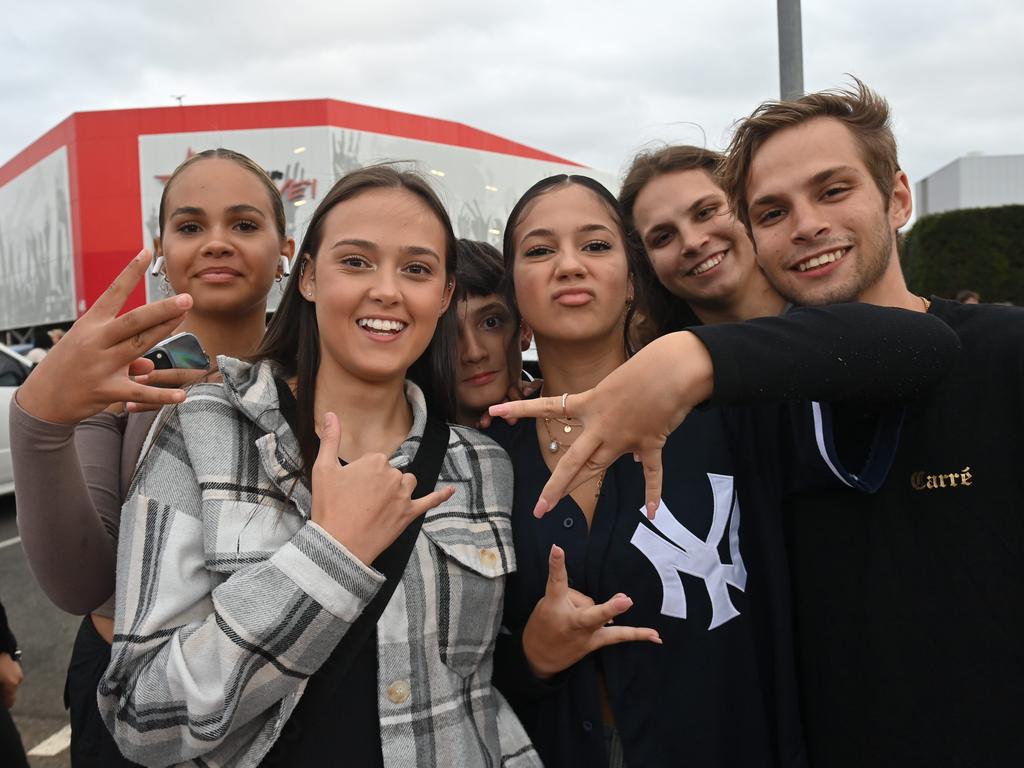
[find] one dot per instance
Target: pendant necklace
(565, 422)
(553, 444)
(567, 426)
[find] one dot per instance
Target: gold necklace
(567, 425)
(927, 304)
(554, 446)
(565, 422)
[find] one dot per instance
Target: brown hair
(220, 153)
(666, 312)
(651, 164)
(860, 109)
(292, 339)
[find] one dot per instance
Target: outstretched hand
(633, 410)
(94, 363)
(366, 504)
(566, 625)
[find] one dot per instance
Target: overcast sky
(591, 81)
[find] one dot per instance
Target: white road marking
(10, 542)
(54, 745)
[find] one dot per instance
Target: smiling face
(699, 251)
(489, 355)
(570, 270)
(379, 284)
(823, 230)
(219, 238)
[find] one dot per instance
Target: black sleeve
(7, 642)
(842, 352)
(513, 676)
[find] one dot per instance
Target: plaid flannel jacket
(229, 597)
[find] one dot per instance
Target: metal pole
(791, 55)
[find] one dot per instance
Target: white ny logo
(687, 553)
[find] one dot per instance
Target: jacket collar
(251, 389)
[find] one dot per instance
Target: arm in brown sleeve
(68, 526)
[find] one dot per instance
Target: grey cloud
(592, 81)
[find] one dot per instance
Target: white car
(14, 370)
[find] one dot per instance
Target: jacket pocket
(470, 576)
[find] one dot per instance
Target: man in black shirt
(909, 604)
(721, 690)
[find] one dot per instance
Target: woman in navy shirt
(702, 586)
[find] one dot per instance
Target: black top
(337, 714)
(710, 572)
(350, 708)
(721, 690)
(910, 603)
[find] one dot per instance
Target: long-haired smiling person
(313, 563)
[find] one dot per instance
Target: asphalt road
(45, 634)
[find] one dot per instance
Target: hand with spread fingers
(633, 410)
(367, 503)
(93, 365)
(566, 625)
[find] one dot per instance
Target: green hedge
(978, 248)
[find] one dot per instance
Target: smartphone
(182, 350)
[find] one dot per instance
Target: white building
(974, 181)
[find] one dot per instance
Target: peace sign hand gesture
(566, 625)
(91, 367)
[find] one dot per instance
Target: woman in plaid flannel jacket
(245, 549)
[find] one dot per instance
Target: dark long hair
(293, 338)
(636, 262)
